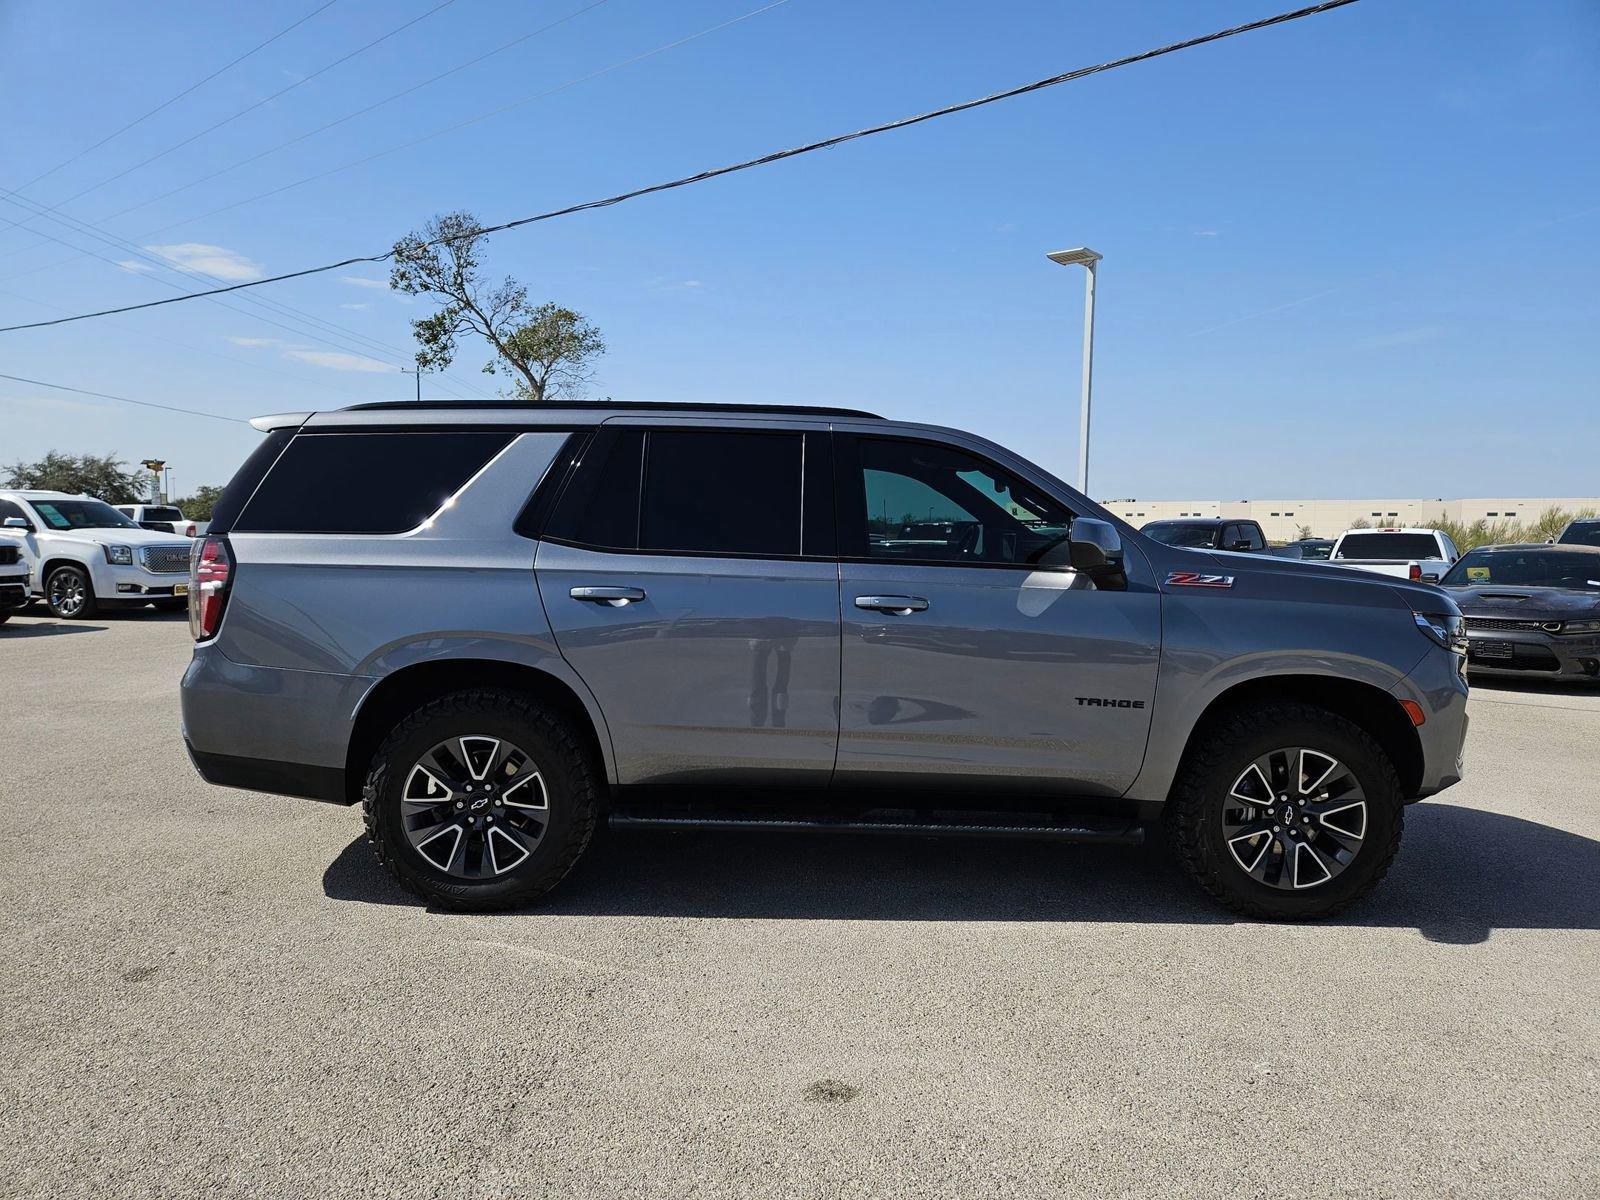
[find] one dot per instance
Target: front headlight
(1446, 629)
(1581, 627)
(119, 556)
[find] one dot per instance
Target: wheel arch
(1362, 704)
(56, 560)
(403, 690)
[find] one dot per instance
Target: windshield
(1182, 535)
(1391, 546)
(1582, 533)
(1316, 550)
(1539, 566)
(80, 514)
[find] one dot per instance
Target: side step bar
(1122, 832)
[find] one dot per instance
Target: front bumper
(1439, 688)
(13, 591)
(135, 582)
(1531, 654)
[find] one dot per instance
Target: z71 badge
(1195, 579)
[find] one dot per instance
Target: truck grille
(10, 556)
(1502, 623)
(164, 560)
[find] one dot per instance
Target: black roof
(1580, 546)
(1196, 520)
(804, 410)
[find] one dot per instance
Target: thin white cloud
(256, 343)
(335, 361)
(1207, 233)
(356, 307)
(363, 281)
(134, 264)
(1276, 308)
(216, 261)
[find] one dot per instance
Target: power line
(250, 108)
(713, 173)
(171, 100)
(61, 387)
(365, 345)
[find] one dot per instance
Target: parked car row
(81, 555)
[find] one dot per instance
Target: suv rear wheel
(1287, 812)
(69, 594)
(481, 800)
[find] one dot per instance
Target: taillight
(190, 530)
(1415, 573)
(210, 571)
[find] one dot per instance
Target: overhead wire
(747, 164)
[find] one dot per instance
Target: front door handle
(899, 605)
(616, 597)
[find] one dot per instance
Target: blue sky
(1355, 255)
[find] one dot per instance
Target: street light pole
(418, 374)
(1087, 259)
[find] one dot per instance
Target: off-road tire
(1225, 748)
(572, 779)
(86, 609)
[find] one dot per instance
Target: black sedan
(1531, 610)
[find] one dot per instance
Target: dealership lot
(217, 991)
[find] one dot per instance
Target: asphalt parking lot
(213, 992)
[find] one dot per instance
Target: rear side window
(364, 482)
(721, 493)
(698, 491)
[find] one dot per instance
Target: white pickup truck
(1421, 555)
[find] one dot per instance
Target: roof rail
(612, 406)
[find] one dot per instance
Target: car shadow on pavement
(14, 629)
(1462, 873)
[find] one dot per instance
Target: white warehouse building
(1282, 519)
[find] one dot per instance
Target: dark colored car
(1530, 609)
(1583, 532)
(1209, 533)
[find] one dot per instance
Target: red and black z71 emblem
(1196, 579)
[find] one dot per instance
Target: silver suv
(498, 626)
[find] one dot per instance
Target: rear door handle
(899, 605)
(616, 597)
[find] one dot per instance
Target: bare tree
(548, 350)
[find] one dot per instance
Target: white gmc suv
(88, 555)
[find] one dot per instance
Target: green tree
(98, 475)
(199, 506)
(547, 350)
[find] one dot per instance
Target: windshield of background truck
(1398, 547)
(1182, 535)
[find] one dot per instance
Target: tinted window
(156, 513)
(1582, 533)
(1539, 566)
(365, 482)
(246, 479)
(1181, 535)
(1389, 546)
(916, 501)
(721, 493)
(1248, 533)
(600, 506)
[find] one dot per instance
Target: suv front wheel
(1286, 811)
(481, 800)
(69, 594)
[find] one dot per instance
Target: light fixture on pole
(1087, 259)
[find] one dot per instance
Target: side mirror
(1097, 552)
(17, 523)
